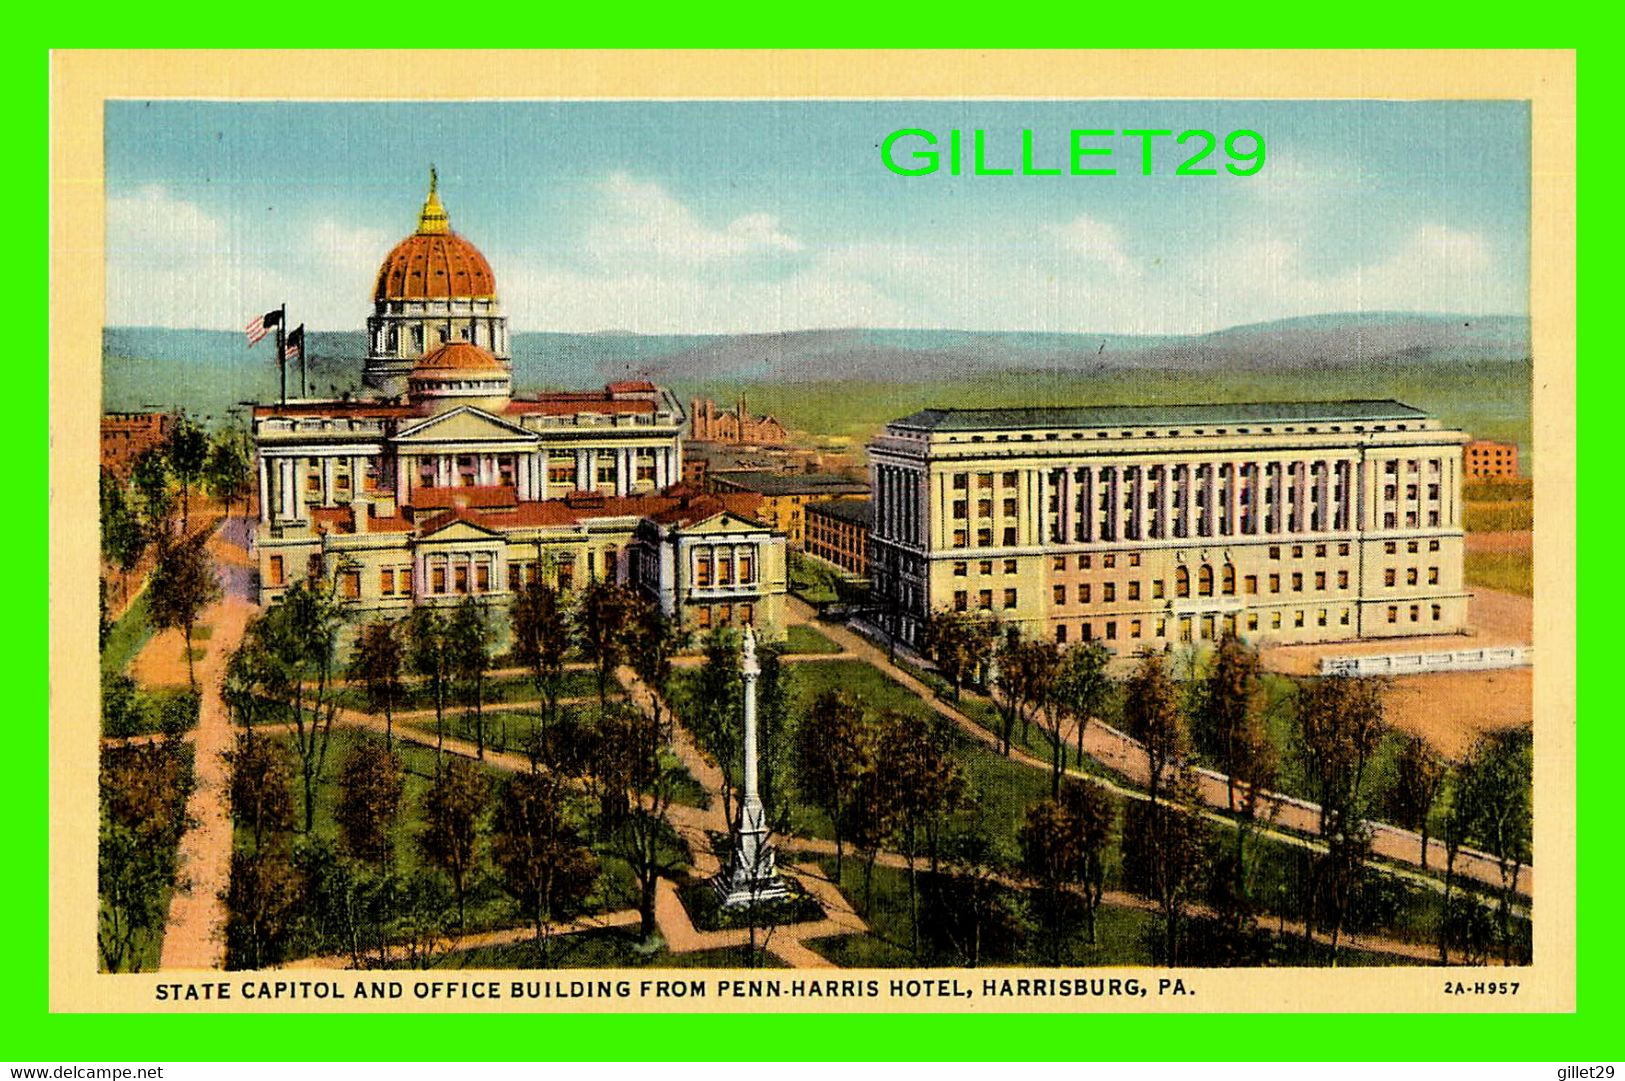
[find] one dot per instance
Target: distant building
(1145, 526)
(734, 425)
(784, 495)
(126, 435)
(1488, 459)
(837, 531)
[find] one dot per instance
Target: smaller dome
(459, 357)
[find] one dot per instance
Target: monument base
(739, 890)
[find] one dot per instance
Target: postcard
(813, 532)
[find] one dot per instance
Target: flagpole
(281, 350)
(304, 391)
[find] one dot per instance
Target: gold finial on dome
(433, 219)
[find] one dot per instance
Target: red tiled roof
(565, 405)
(476, 496)
(631, 386)
(337, 408)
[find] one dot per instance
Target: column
(265, 490)
(583, 468)
(1066, 492)
(1211, 501)
(522, 475)
(327, 480)
(592, 470)
(1041, 505)
(1278, 492)
(1114, 504)
(1187, 508)
(403, 472)
(300, 467)
(1325, 495)
(1232, 528)
(1301, 487)
(1137, 494)
(358, 475)
(1164, 494)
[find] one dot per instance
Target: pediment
(724, 522)
(459, 530)
(464, 425)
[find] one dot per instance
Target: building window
(1410, 576)
(460, 577)
(1393, 613)
(747, 614)
(961, 569)
(1433, 576)
(1320, 580)
(1059, 563)
(1297, 618)
(1412, 546)
(961, 538)
(1437, 611)
(1111, 630)
(1009, 598)
(1388, 577)
(1162, 628)
(1109, 560)
(403, 581)
(985, 567)
(1342, 579)
(1011, 479)
(1249, 584)
(984, 538)
(984, 508)
(1204, 581)
(961, 508)
(1297, 582)
(1343, 549)
(1108, 592)
(702, 615)
(1252, 621)
(1320, 618)
(1009, 566)
(1083, 593)
(1134, 628)
(437, 577)
(482, 578)
(1275, 551)
(1228, 580)
(386, 582)
(1297, 551)
(1320, 551)
(1060, 594)
(702, 572)
(1275, 621)
(1156, 589)
(1134, 590)
(984, 599)
(747, 568)
(961, 600)
(1084, 562)
(276, 570)
(516, 577)
(1416, 612)
(1275, 583)
(1182, 582)
(1433, 546)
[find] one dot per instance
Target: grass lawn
(1497, 491)
(129, 634)
(417, 694)
(1498, 517)
(804, 639)
(1510, 572)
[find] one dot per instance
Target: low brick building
(837, 531)
(1489, 459)
(125, 436)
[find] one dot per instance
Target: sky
(738, 217)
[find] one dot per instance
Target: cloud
(639, 222)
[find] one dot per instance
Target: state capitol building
(444, 483)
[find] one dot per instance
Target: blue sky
(694, 217)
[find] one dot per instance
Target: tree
(451, 814)
(1152, 716)
(1164, 858)
(603, 618)
(640, 781)
(1419, 776)
(1062, 845)
(187, 451)
(255, 677)
(1043, 661)
(959, 644)
(538, 850)
(1227, 713)
(229, 472)
(263, 900)
(775, 689)
(1018, 675)
(376, 664)
(372, 780)
(469, 638)
(924, 783)
(968, 908)
(428, 636)
(541, 640)
(152, 480)
(301, 633)
(143, 792)
(1082, 687)
(124, 541)
(1497, 791)
(834, 750)
(261, 788)
(1339, 729)
(183, 585)
(713, 707)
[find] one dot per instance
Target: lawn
(1510, 572)
(127, 637)
(498, 690)
(1498, 517)
(804, 639)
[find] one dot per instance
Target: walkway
(195, 935)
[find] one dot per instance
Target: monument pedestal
(751, 875)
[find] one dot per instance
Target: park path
(1125, 756)
(195, 933)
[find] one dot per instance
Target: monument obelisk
(751, 876)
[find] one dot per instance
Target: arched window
(1227, 583)
(1182, 582)
(1204, 581)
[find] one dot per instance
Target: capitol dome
(434, 288)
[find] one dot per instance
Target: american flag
(260, 325)
(294, 347)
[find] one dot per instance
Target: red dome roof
(458, 357)
(435, 266)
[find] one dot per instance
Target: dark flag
(262, 324)
(294, 347)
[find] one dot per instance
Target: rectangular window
(725, 614)
(961, 538)
(1320, 551)
(1108, 592)
(516, 577)
(985, 567)
(747, 568)
(1275, 621)
(403, 581)
(1083, 593)
(1433, 546)
(1009, 566)
(1156, 589)
(1084, 562)
(1109, 560)
(1060, 633)
(747, 614)
(1111, 630)
(1297, 582)
(1009, 536)
(1437, 611)
(1388, 577)
(1162, 628)
(1009, 598)
(1252, 621)
(961, 508)
(1011, 479)
(1134, 628)
(1059, 563)
(702, 616)
(1275, 551)
(1297, 618)
(1060, 594)
(1342, 579)
(276, 570)
(1410, 576)
(1009, 508)
(725, 570)
(1275, 583)
(1249, 584)
(984, 508)
(961, 569)
(460, 577)
(482, 577)
(386, 582)
(961, 481)
(1433, 576)
(1416, 612)
(1393, 613)
(1343, 549)
(702, 572)
(350, 584)
(1412, 546)
(961, 600)
(984, 599)
(1134, 591)
(437, 576)
(1320, 617)
(984, 538)
(1320, 579)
